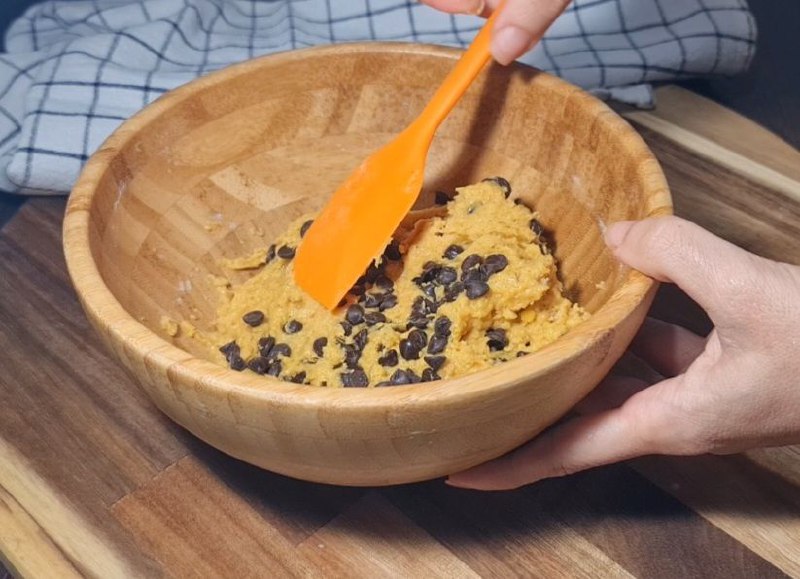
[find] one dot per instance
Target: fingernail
(616, 233)
(475, 7)
(509, 43)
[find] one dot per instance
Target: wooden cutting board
(94, 481)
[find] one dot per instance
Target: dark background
(770, 91)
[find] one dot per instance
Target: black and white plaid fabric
(76, 69)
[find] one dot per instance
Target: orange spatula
(358, 221)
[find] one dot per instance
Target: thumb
(521, 24)
(714, 272)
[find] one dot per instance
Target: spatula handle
(458, 80)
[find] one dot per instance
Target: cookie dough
(462, 292)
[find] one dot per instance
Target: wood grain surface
(94, 481)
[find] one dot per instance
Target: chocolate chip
(536, 227)
(351, 355)
(357, 290)
(398, 378)
(286, 252)
(259, 364)
(545, 247)
(471, 261)
(476, 289)
(236, 362)
(280, 350)
(392, 251)
(446, 275)
(389, 359)
(494, 263)
(452, 292)
(429, 272)
(347, 327)
(429, 291)
(355, 379)
(373, 318)
(354, 315)
(292, 327)
(305, 226)
(254, 318)
(230, 349)
(403, 377)
(265, 345)
(373, 300)
(372, 273)
(429, 375)
(417, 321)
(384, 282)
(275, 369)
(441, 198)
(418, 338)
(408, 350)
(360, 339)
(497, 339)
(412, 376)
(452, 251)
(319, 346)
(520, 354)
(389, 301)
(435, 362)
(503, 183)
(298, 378)
(474, 275)
(430, 269)
(442, 326)
(437, 344)
(270, 253)
(420, 282)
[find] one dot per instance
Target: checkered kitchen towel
(75, 69)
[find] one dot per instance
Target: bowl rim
(108, 314)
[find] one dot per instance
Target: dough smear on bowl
(453, 294)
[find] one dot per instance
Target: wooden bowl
(218, 167)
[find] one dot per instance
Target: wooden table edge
(764, 158)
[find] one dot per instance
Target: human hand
(735, 390)
(520, 25)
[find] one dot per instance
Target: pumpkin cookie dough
(460, 293)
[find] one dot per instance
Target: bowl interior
(219, 168)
